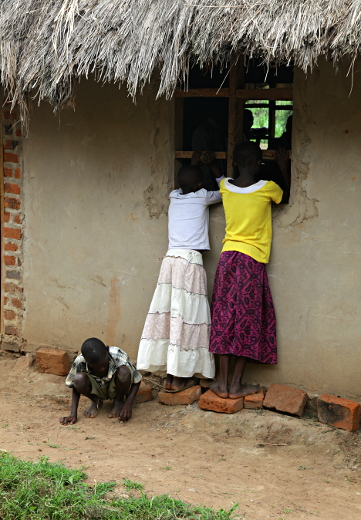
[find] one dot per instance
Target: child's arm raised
(73, 417)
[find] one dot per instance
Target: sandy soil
(272, 465)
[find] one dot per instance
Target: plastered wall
(97, 182)
(96, 186)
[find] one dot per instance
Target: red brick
(8, 144)
(12, 188)
(187, 396)
(12, 288)
(17, 219)
(18, 132)
(341, 413)
(10, 247)
(52, 361)
(5, 300)
(210, 401)
(17, 173)
(144, 393)
(9, 260)
(6, 216)
(11, 331)
(17, 303)
(11, 157)
(254, 401)
(12, 233)
(8, 172)
(285, 399)
(11, 203)
(9, 315)
(10, 115)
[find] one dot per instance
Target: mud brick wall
(12, 277)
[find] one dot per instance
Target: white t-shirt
(188, 218)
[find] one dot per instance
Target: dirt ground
(272, 465)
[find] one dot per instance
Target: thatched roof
(46, 45)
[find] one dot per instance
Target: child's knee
(81, 381)
(123, 375)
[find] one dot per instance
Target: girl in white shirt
(175, 338)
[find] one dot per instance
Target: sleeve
(275, 192)
(75, 369)
(212, 197)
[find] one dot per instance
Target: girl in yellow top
(243, 316)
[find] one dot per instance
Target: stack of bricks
(12, 231)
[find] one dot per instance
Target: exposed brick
(18, 132)
(12, 188)
(10, 202)
(210, 401)
(10, 115)
(52, 361)
(12, 347)
(10, 144)
(11, 331)
(17, 303)
(17, 219)
(9, 315)
(187, 396)
(285, 399)
(144, 393)
(254, 401)
(8, 172)
(11, 288)
(17, 173)
(15, 275)
(9, 260)
(11, 157)
(6, 216)
(12, 233)
(341, 413)
(5, 300)
(10, 247)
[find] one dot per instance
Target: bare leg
(83, 385)
(221, 387)
(238, 390)
(168, 383)
(122, 382)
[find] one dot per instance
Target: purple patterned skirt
(243, 315)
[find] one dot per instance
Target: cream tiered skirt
(175, 338)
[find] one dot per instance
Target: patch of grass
(49, 491)
(5, 425)
(131, 484)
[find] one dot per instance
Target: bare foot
(239, 391)
(168, 383)
(117, 408)
(181, 383)
(219, 390)
(93, 409)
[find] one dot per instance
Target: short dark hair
(94, 350)
(246, 153)
(189, 176)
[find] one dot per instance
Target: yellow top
(249, 217)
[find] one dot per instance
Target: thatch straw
(47, 45)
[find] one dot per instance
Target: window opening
(225, 96)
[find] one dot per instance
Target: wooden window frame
(237, 95)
